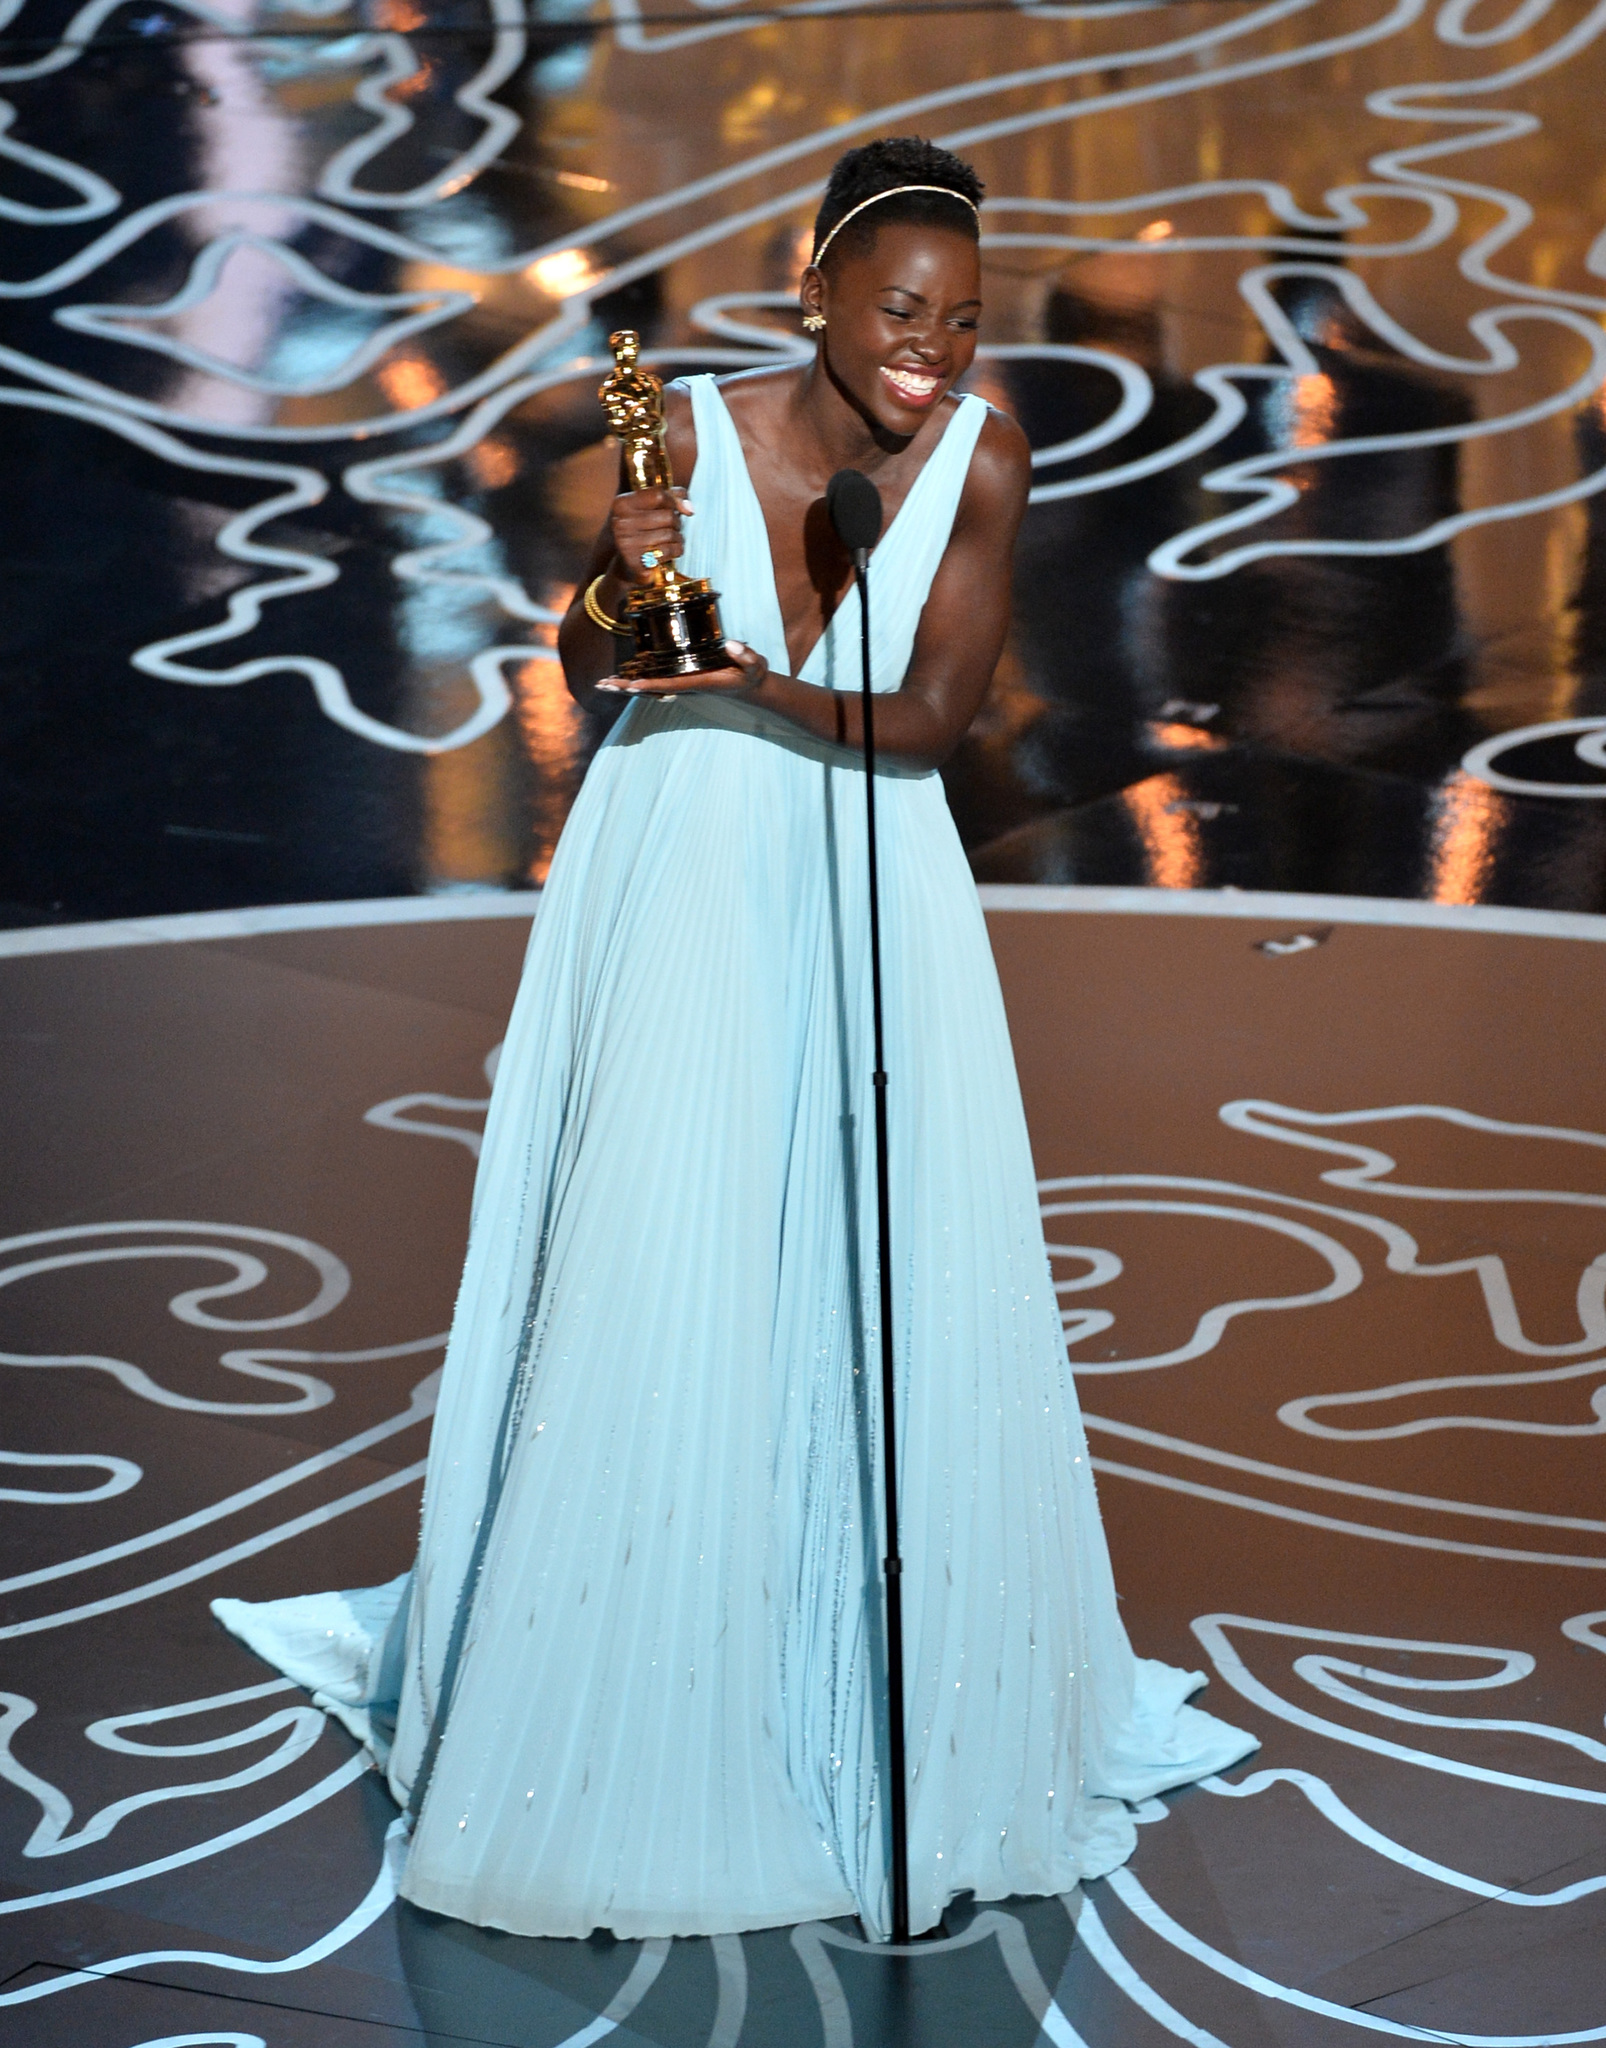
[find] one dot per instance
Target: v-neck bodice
(728, 542)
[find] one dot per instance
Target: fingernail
(613, 689)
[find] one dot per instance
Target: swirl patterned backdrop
(1300, 303)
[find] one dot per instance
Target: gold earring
(814, 323)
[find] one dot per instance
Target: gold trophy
(674, 619)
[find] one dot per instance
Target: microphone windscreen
(854, 504)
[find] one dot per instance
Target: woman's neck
(825, 414)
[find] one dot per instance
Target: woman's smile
(913, 387)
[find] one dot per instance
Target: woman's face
(901, 320)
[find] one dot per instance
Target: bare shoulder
(1000, 471)
(756, 395)
(754, 399)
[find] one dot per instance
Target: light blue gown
(639, 1660)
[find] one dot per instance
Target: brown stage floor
(1364, 1495)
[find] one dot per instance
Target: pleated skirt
(652, 1507)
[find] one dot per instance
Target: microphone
(854, 505)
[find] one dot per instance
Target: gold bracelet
(597, 616)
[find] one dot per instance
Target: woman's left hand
(747, 671)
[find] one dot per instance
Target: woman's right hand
(648, 522)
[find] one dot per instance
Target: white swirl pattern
(1156, 65)
(1340, 1669)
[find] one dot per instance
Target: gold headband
(875, 199)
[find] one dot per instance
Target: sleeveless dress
(635, 1679)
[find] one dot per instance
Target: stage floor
(1325, 1194)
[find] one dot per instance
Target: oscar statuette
(673, 619)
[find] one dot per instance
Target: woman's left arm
(961, 631)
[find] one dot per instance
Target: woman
(642, 1685)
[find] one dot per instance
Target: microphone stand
(892, 1563)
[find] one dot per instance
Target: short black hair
(883, 166)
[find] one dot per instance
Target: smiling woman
(640, 1656)
(893, 295)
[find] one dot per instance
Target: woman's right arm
(638, 521)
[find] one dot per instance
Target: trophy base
(677, 635)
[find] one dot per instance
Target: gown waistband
(651, 715)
